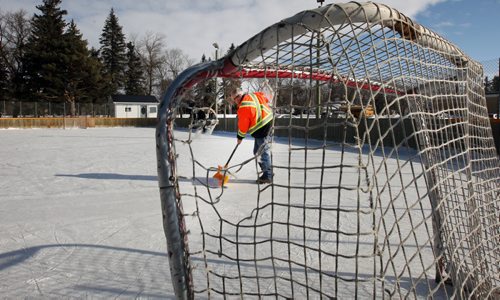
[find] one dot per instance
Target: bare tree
(150, 49)
(14, 31)
(174, 61)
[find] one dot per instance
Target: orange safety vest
(253, 113)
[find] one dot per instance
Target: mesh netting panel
(386, 178)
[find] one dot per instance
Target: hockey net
(386, 178)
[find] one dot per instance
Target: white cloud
(192, 25)
(444, 24)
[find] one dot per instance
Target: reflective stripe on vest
(259, 122)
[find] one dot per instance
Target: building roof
(134, 99)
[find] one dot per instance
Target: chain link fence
(492, 90)
(491, 69)
(18, 109)
(492, 85)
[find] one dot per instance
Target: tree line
(44, 58)
(492, 86)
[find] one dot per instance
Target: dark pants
(265, 155)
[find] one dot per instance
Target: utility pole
(318, 87)
(216, 46)
(318, 54)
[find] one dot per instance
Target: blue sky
(473, 25)
(194, 25)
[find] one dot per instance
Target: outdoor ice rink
(80, 212)
(80, 215)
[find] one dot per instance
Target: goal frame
(236, 65)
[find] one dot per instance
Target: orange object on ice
(222, 173)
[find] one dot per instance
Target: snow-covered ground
(80, 215)
(80, 212)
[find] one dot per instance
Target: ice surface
(279, 237)
(80, 214)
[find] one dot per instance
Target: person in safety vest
(255, 117)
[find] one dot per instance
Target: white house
(131, 106)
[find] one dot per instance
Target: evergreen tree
(94, 53)
(95, 87)
(113, 52)
(80, 75)
(495, 85)
(487, 85)
(100, 92)
(134, 75)
(204, 92)
(45, 54)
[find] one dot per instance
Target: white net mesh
(386, 178)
